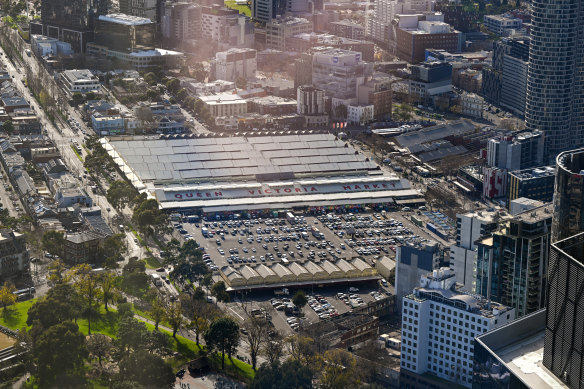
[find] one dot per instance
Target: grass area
(105, 323)
(243, 9)
(190, 350)
(146, 314)
(152, 263)
(15, 316)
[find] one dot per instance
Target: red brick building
(412, 39)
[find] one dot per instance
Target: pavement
(208, 381)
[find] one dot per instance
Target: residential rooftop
(531, 173)
(128, 20)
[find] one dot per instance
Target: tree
(53, 242)
(125, 310)
(300, 299)
(173, 85)
(135, 283)
(257, 330)
(7, 296)
(207, 281)
(181, 94)
(99, 346)
(301, 349)
(289, 375)
(59, 352)
(112, 249)
(339, 370)
(120, 194)
(273, 346)
(61, 303)
(219, 290)
(403, 112)
(87, 284)
(149, 218)
(223, 336)
(131, 336)
(8, 127)
(151, 78)
(172, 248)
(157, 311)
(158, 343)
(199, 325)
(134, 265)
(153, 95)
(77, 98)
(108, 288)
(147, 369)
(175, 317)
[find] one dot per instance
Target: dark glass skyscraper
(70, 20)
(568, 195)
(555, 77)
(564, 331)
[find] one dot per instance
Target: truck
(282, 292)
(315, 232)
(205, 232)
(290, 217)
(156, 279)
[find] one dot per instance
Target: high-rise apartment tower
(555, 76)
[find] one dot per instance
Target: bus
(24, 294)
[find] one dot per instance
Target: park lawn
(15, 316)
(243, 9)
(106, 323)
(147, 315)
(190, 350)
(234, 368)
(152, 263)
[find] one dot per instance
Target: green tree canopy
(289, 375)
(112, 250)
(59, 352)
(120, 194)
(149, 218)
(53, 242)
(147, 369)
(300, 299)
(131, 336)
(173, 85)
(8, 127)
(223, 336)
(219, 290)
(61, 303)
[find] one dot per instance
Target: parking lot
(324, 302)
(272, 240)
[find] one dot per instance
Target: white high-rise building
(469, 228)
(379, 25)
(439, 325)
(235, 63)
